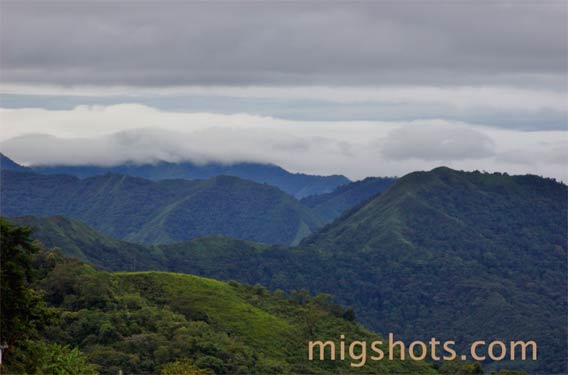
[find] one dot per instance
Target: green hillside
(454, 255)
(166, 211)
(332, 205)
(462, 255)
(152, 322)
(78, 240)
(200, 255)
(434, 246)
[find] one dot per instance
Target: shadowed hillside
(150, 212)
(332, 205)
(298, 185)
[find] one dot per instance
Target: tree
(349, 315)
(459, 367)
(184, 367)
(22, 310)
(48, 358)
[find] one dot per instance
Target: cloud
(460, 97)
(140, 146)
(437, 142)
(136, 133)
(282, 43)
(552, 152)
(507, 107)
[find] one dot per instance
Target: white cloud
(132, 132)
(437, 142)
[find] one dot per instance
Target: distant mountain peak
(8, 164)
(298, 185)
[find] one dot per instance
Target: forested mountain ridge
(150, 212)
(77, 240)
(8, 164)
(327, 196)
(298, 185)
(454, 255)
(441, 243)
(332, 205)
(64, 316)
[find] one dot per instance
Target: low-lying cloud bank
(115, 134)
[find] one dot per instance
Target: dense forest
(62, 316)
(410, 260)
(331, 205)
(151, 212)
(299, 185)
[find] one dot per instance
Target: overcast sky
(358, 88)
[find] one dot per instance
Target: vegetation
(446, 254)
(78, 240)
(298, 185)
(155, 322)
(455, 255)
(151, 212)
(331, 205)
(25, 314)
(7, 164)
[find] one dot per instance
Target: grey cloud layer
(438, 142)
(135, 133)
(505, 107)
(174, 43)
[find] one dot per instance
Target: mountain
(144, 211)
(471, 256)
(298, 185)
(157, 322)
(7, 164)
(461, 256)
(78, 240)
(332, 205)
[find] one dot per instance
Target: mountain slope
(7, 164)
(149, 212)
(446, 254)
(441, 243)
(298, 185)
(332, 205)
(77, 240)
(156, 322)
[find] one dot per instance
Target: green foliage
(167, 211)
(331, 205)
(37, 357)
(77, 240)
(298, 185)
(184, 367)
(23, 311)
(154, 322)
(433, 244)
(461, 368)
